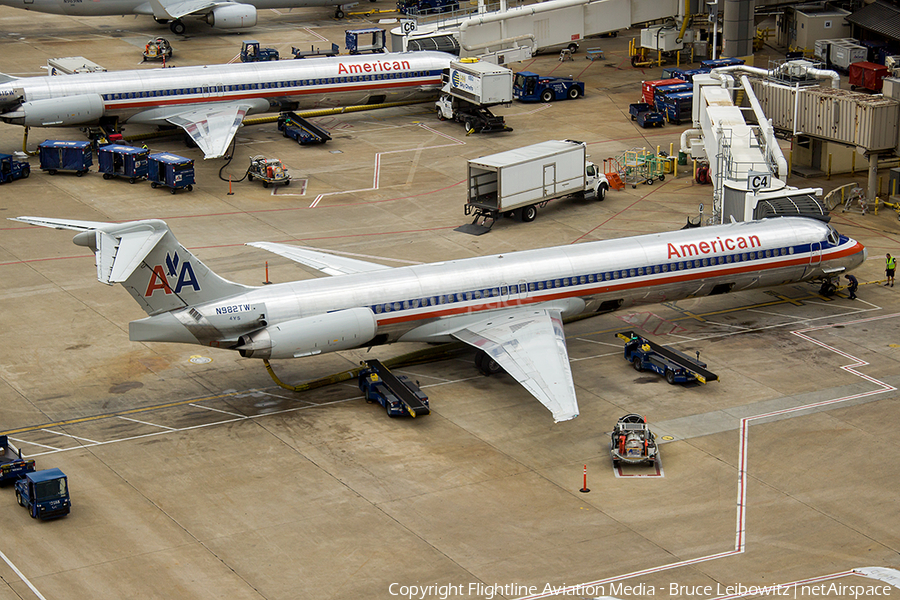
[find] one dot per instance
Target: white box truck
(469, 89)
(518, 182)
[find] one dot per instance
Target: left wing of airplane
(530, 345)
(212, 128)
(176, 10)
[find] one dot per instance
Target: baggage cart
(62, 155)
(171, 171)
(117, 160)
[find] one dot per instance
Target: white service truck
(517, 182)
(469, 89)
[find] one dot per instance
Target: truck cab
(595, 182)
(44, 493)
(252, 52)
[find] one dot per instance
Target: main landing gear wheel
(486, 364)
(338, 14)
(177, 27)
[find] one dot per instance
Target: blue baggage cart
(60, 155)
(117, 160)
(715, 63)
(171, 171)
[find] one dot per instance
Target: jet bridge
(746, 163)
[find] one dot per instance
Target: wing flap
(530, 345)
(211, 129)
(321, 261)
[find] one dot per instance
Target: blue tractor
(531, 87)
(251, 52)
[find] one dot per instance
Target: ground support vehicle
(158, 49)
(518, 182)
(640, 165)
(269, 171)
(676, 367)
(397, 394)
(426, 7)
(251, 52)
(171, 171)
(298, 53)
(10, 169)
(469, 90)
(44, 493)
(62, 155)
(12, 465)
(117, 160)
(531, 87)
(715, 63)
(370, 39)
(292, 125)
(677, 107)
(645, 116)
(867, 75)
(632, 442)
(648, 89)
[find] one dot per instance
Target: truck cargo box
(481, 83)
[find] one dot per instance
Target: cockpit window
(834, 237)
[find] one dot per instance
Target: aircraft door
(549, 179)
(815, 254)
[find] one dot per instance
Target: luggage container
(62, 155)
(117, 160)
(677, 107)
(171, 171)
(721, 62)
(660, 93)
(686, 75)
(648, 89)
(844, 54)
(867, 75)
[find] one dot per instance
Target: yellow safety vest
(891, 262)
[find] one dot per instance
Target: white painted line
(216, 410)
(74, 437)
(149, 424)
(35, 444)
(22, 577)
(597, 342)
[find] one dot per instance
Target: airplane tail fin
(4, 78)
(144, 256)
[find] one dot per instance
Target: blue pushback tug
(531, 87)
(44, 493)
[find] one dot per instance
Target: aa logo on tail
(182, 274)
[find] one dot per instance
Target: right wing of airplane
(213, 128)
(530, 345)
(321, 261)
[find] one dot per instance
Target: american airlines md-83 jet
(222, 14)
(508, 306)
(210, 102)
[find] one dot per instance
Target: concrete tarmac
(194, 476)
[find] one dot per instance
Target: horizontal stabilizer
(321, 261)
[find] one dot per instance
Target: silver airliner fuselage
(192, 97)
(508, 306)
(223, 14)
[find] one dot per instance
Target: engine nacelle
(71, 110)
(339, 330)
(232, 16)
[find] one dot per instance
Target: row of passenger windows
(562, 282)
(268, 85)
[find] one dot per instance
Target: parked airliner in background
(508, 306)
(222, 14)
(210, 102)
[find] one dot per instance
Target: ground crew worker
(144, 147)
(854, 285)
(891, 264)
